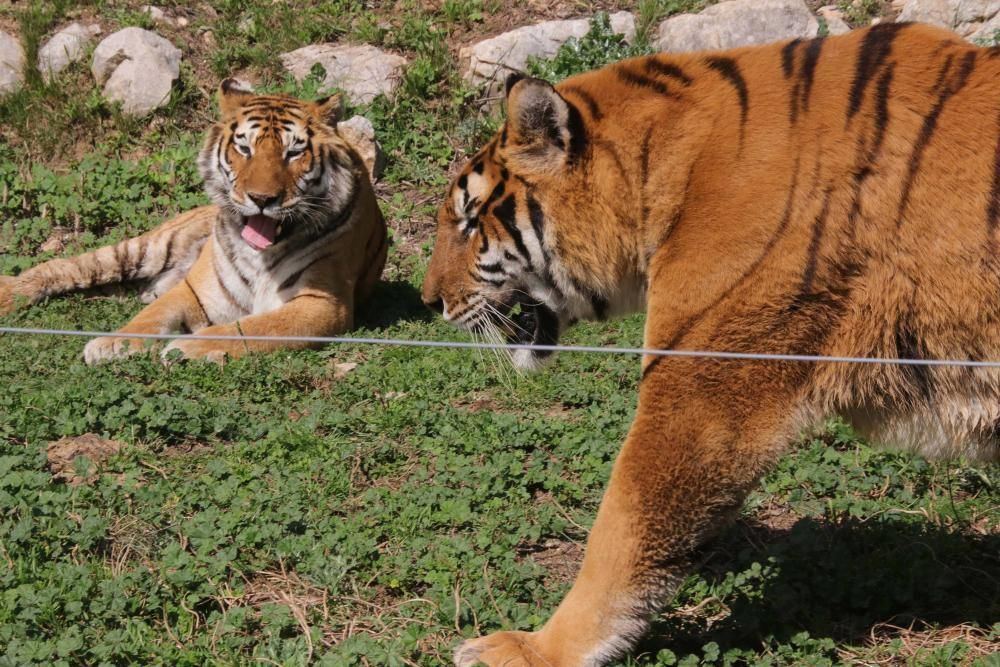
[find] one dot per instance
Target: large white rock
(137, 68)
(737, 23)
(835, 23)
(65, 47)
(974, 19)
(11, 63)
(363, 72)
(360, 133)
(491, 59)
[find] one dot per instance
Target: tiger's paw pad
(506, 649)
(107, 348)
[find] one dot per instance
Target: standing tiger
(294, 238)
(836, 196)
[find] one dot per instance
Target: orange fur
(838, 196)
(272, 163)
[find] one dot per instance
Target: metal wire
(404, 342)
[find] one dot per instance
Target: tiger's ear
(329, 109)
(539, 119)
(233, 94)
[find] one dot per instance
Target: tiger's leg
(311, 312)
(704, 433)
(163, 255)
(178, 310)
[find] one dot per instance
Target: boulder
(65, 47)
(491, 59)
(835, 23)
(11, 63)
(737, 23)
(137, 68)
(363, 72)
(360, 133)
(974, 19)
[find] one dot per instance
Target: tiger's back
(835, 196)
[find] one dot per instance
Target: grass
(370, 506)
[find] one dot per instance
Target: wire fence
(460, 345)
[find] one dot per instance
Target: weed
(600, 46)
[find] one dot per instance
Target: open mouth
(260, 231)
(533, 324)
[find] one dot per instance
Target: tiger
(832, 197)
(293, 240)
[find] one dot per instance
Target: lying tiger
(294, 239)
(835, 196)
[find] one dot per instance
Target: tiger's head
(277, 165)
(524, 232)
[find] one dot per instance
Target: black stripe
(484, 247)
(644, 81)
(812, 255)
(198, 300)
(230, 297)
(867, 158)
(143, 246)
(506, 213)
(495, 267)
(812, 53)
(875, 48)
(292, 279)
(730, 71)
(482, 279)
(537, 217)
(578, 140)
(588, 99)
(993, 209)
(788, 57)
(656, 66)
(168, 255)
(948, 90)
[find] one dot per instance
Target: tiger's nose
(264, 200)
(435, 304)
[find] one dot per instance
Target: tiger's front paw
(504, 649)
(205, 350)
(107, 348)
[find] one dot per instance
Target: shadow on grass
(839, 581)
(392, 302)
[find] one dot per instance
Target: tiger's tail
(162, 255)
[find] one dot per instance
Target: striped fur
(272, 163)
(836, 196)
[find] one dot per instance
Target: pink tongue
(259, 231)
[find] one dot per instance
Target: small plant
(989, 41)
(600, 46)
(860, 12)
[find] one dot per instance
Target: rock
(363, 72)
(974, 19)
(137, 68)
(835, 24)
(157, 14)
(737, 23)
(11, 63)
(360, 133)
(490, 59)
(65, 47)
